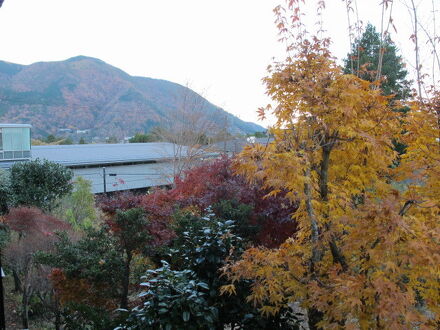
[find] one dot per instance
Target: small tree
(51, 138)
(365, 255)
(66, 141)
(189, 129)
(142, 138)
(35, 233)
(87, 274)
(130, 228)
(78, 207)
(111, 139)
(39, 183)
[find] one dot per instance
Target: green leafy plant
(78, 207)
(204, 245)
(172, 300)
(39, 183)
(87, 271)
(142, 138)
(5, 191)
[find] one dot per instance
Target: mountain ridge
(86, 93)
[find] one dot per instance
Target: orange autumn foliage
(366, 255)
(81, 291)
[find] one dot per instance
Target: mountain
(84, 93)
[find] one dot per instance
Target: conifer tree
(363, 61)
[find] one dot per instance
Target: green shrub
(39, 183)
(5, 191)
(203, 245)
(172, 300)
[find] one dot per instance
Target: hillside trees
(365, 255)
(142, 138)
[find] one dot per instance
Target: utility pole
(105, 183)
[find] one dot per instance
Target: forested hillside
(86, 93)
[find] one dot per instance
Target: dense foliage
(5, 191)
(32, 231)
(366, 254)
(172, 300)
(142, 138)
(39, 183)
(364, 58)
(78, 207)
(88, 270)
(203, 245)
(268, 218)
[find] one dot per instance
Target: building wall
(15, 142)
(127, 177)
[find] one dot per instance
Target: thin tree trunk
(17, 282)
(25, 308)
(416, 41)
(316, 255)
(323, 187)
(57, 312)
(323, 174)
(126, 282)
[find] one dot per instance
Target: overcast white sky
(221, 48)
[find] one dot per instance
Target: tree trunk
(126, 282)
(316, 255)
(323, 173)
(25, 308)
(323, 189)
(17, 282)
(57, 313)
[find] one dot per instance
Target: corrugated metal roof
(99, 154)
(154, 166)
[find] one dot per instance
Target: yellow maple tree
(366, 254)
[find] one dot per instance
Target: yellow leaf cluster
(366, 255)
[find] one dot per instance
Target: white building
(15, 143)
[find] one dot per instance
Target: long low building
(116, 167)
(111, 167)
